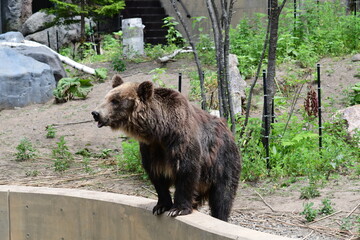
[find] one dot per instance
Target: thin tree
(196, 56)
(221, 22)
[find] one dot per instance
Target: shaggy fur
(180, 145)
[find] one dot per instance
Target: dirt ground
(264, 206)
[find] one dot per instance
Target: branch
(167, 58)
(64, 59)
(196, 57)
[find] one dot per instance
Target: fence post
(180, 78)
(267, 121)
(48, 37)
(319, 106)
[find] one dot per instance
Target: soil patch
(264, 206)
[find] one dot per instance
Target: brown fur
(180, 145)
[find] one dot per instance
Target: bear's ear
(145, 91)
(116, 81)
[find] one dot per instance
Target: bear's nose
(96, 115)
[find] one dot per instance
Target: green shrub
(308, 212)
(62, 156)
(130, 159)
(70, 88)
(50, 131)
(25, 150)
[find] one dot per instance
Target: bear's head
(122, 102)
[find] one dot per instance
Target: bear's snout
(96, 115)
(98, 119)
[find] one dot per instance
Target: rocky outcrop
(352, 116)
(39, 53)
(36, 23)
(23, 80)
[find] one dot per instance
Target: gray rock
(12, 13)
(36, 22)
(44, 55)
(352, 117)
(23, 80)
(237, 84)
(356, 58)
(14, 37)
(66, 34)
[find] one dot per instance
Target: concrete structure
(68, 214)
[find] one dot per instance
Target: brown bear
(180, 145)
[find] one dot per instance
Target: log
(62, 58)
(176, 52)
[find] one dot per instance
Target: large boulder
(58, 35)
(23, 80)
(352, 116)
(41, 54)
(46, 56)
(15, 13)
(36, 22)
(13, 37)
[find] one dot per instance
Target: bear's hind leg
(220, 201)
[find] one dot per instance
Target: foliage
(173, 36)
(25, 150)
(295, 152)
(326, 207)
(101, 73)
(320, 30)
(62, 156)
(308, 212)
(69, 88)
(118, 64)
(50, 131)
(66, 11)
(130, 160)
(355, 94)
(156, 76)
(309, 192)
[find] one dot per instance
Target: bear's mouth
(97, 118)
(101, 124)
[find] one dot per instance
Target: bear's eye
(115, 101)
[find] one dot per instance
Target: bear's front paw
(160, 209)
(177, 211)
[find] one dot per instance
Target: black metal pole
(180, 78)
(273, 110)
(266, 119)
(48, 36)
(319, 103)
(203, 104)
(57, 41)
(295, 13)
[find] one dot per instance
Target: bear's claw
(160, 209)
(178, 212)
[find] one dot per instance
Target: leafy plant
(326, 207)
(309, 192)
(63, 157)
(25, 150)
(173, 36)
(70, 88)
(101, 73)
(50, 131)
(118, 64)
(355, 94)
(308, 212)
(156, 76)
(130, 159)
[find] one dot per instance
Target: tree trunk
(82, 22)
(274, 15)
(196, 57)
